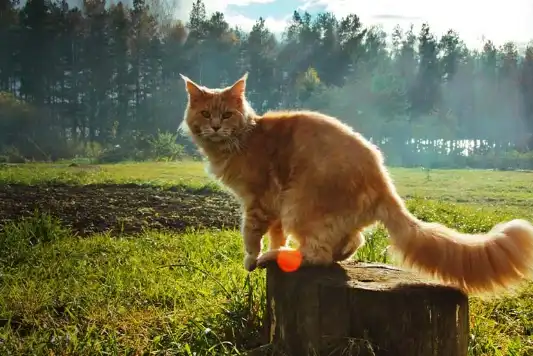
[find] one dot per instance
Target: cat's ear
(193, 89)
(239, 87)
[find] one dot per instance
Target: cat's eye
(227, 115)
(206, 114)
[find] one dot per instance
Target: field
(145, 258)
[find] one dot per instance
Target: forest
(102, 82)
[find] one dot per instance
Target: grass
(103, 295)
(166, 293)
(486, 187)
(162, 174)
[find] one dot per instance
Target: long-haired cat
(308, 175)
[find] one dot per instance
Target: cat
(310, 177)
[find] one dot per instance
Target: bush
(163, 146)
(130, 146)
(509, 160)
(405, 156)
(11, 154)
(113, 154)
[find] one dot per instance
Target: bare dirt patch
(120, 208)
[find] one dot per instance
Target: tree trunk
(363, 309)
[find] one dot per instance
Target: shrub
(163, 146)
(11, 154)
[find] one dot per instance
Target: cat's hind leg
(322, 246)
(348, 246)
(316, 248)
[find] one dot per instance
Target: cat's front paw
(250, 262)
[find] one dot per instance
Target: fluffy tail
(480, 263)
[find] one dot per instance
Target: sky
(474, 20)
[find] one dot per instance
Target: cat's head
(216, 115)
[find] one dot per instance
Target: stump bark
(363, 309)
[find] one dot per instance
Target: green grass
(103, 295)
(162, 293)
(490, 188)
(486, 187)
(187, 173)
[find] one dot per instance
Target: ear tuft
(239, 87)
(192, 88)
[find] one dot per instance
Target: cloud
(497, 20)
(277, 26)
(234, 18)
(396, 17)
(247, 2)
(185, 6)
(475, 20)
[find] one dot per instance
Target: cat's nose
(216, 127)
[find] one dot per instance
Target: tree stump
(363, 309)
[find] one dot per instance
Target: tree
(260, 49)
(526, 85)
(120, 53)
(110, 73)
(452, 52)
(8, 40)
(426, 92)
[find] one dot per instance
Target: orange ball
(289, 260)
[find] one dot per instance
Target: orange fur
(308, 175)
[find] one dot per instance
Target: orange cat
(308, 175)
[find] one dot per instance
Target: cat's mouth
(216, 138)
(213, 136)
